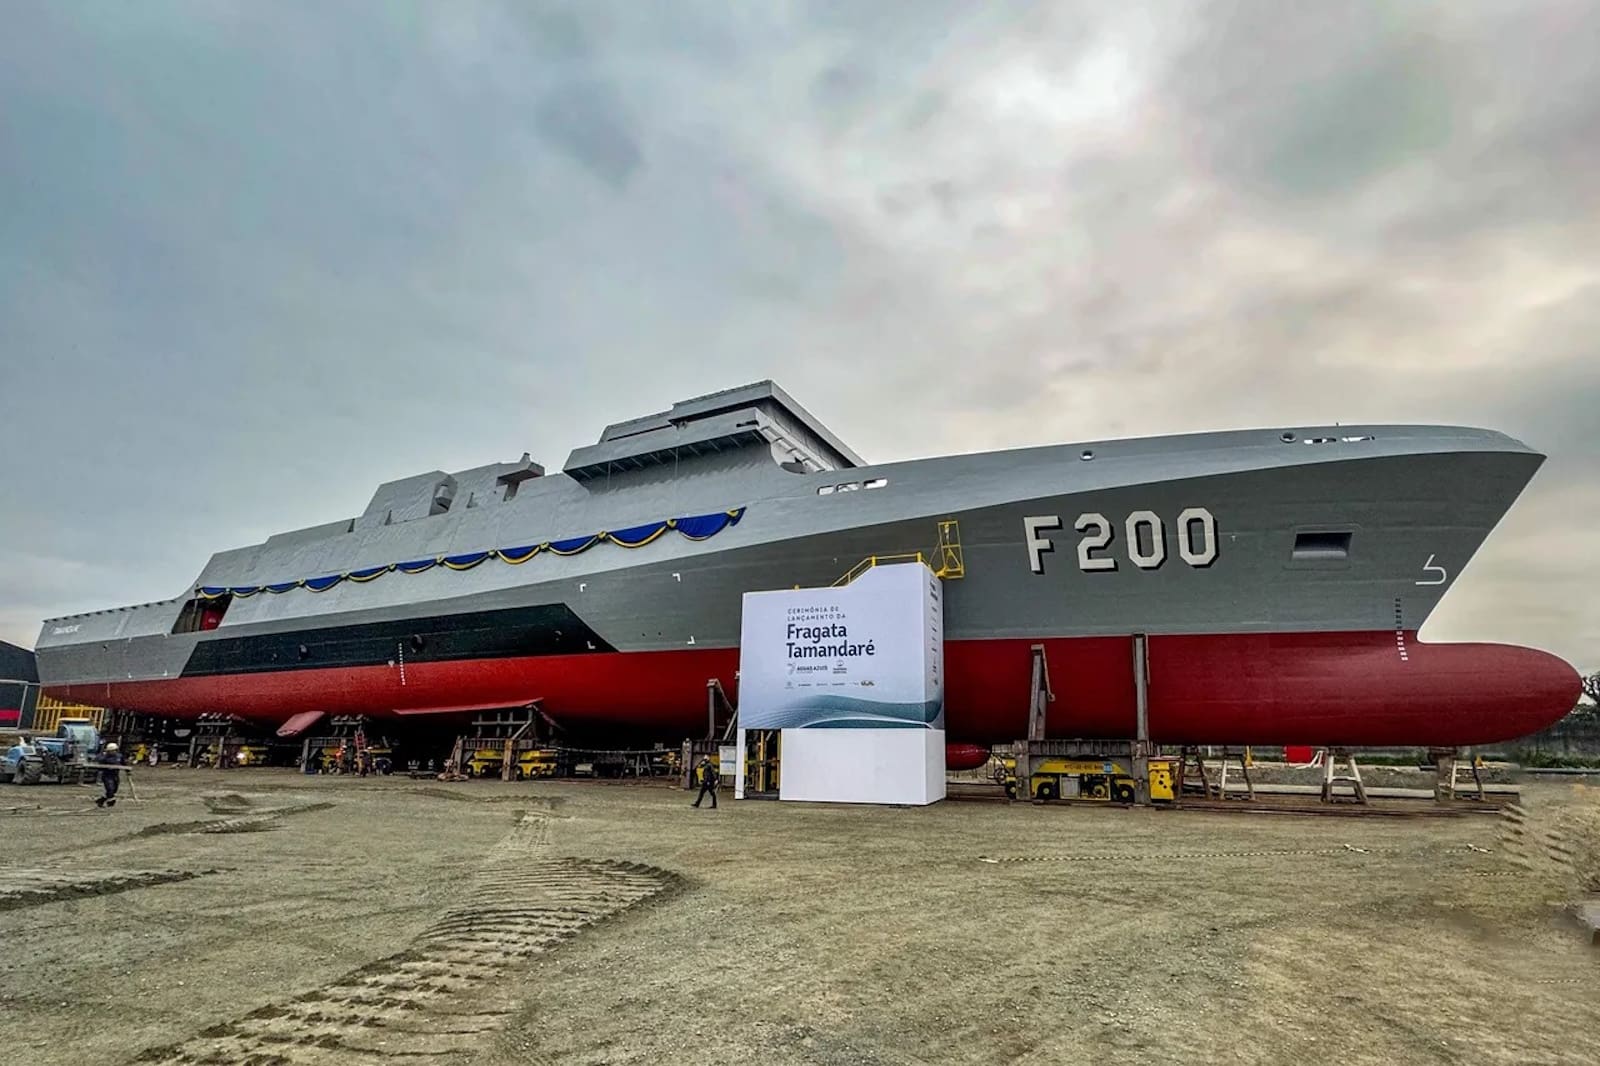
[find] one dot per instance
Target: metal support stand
(762, 763)
(1444, 773)
(1193, 765)
(1039, 699)
(1116, 757)
(1243, 759)
(1476, 765)
(1447, 765)
(1131, 757)
(1040, 695)
(1331, 778)
(508, 760)
(1142, 748)
(1191, 757)
(717, 702)
(717, 699)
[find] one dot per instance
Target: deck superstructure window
(1322, 544)
(852, 486)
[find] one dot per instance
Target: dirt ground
(264, 917)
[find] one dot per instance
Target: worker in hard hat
(705, 775)
(110, 776)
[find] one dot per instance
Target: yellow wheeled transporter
(382, 756)
(1107, 780)
(250, 755)
(486, 761)
(536, 762)
(489, 760)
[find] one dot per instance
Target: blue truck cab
(75, 741)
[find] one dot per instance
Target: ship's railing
(946, 560)
(882, 560)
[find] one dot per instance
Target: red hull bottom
(1357, 689)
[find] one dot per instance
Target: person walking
(707, 777)
(110, 777)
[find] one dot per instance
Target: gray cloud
(257, 259)
(584, 119)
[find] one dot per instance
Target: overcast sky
(256, 258)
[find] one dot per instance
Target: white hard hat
(111, 747)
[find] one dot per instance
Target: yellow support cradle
(49, 711)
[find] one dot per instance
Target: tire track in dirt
(442, 996)
(255, 821)
(1535, 847)
(30, 888)
(234, 819)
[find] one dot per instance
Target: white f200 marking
(1142, 527)
(1429, 568)
(1032, 526)
(1205, 555)
(1100, 538)
(1157, 532)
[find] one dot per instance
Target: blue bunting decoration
(706, 526)
(572, 545)
(693, 527)
(464, 562)
(638, 536)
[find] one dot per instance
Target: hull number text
(1144, 533)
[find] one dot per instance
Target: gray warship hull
(1279, 576)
